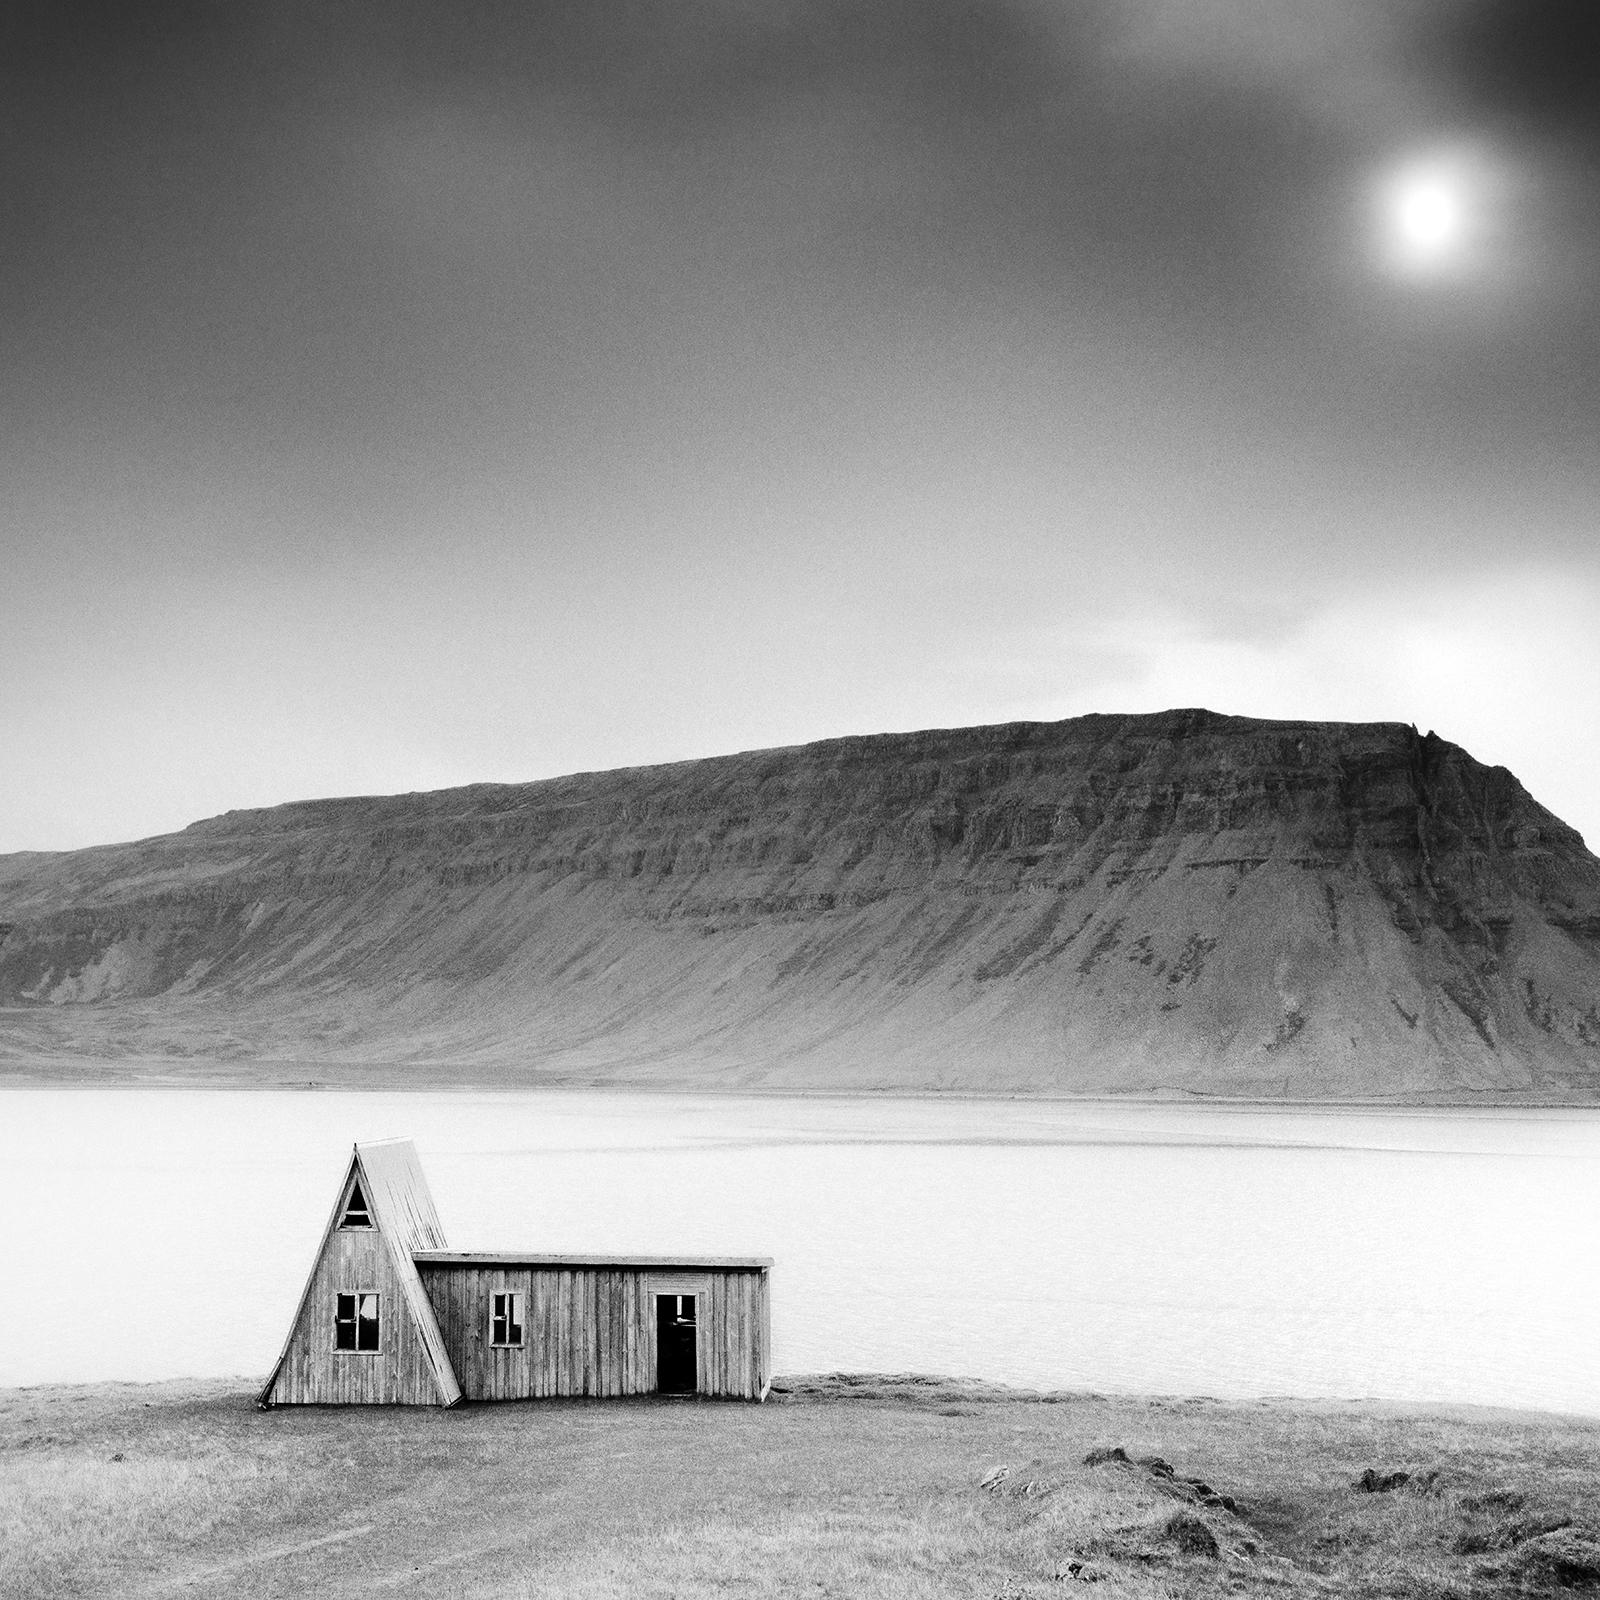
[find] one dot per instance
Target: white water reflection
(1441, 1255)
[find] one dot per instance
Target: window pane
(356, 1214)
(367, 1323)
(514, 1325)
(344, 1322)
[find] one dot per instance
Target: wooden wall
(592, 1330)
(314, 1373)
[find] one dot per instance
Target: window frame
(514, 1317)
(358, 1349)
(345, 1224)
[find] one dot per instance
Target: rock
(1371, 1482)
(1166, 1477)
(1006, 1481)
(1078, 1571)
(1191, 1536)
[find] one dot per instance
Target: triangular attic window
(356, 1214)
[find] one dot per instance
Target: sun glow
(1436, 214)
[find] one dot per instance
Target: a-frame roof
(404, 1215)
(398, 1193)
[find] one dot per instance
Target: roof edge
(524, 1258)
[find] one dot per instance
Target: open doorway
(675, 1343)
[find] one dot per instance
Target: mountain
(1176, 902)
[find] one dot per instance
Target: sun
(1429, 217)
(1435, 213)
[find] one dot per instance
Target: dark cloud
(1533, 62)
(1154, 175)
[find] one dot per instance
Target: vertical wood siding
(314, 1373)
(592, 1330)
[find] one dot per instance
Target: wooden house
(390, 1316)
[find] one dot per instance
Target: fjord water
(1421, 1255)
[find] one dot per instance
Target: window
(355, 1321)
(505, 1319)
(356, 1214)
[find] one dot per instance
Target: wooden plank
(538, 1333)
(586, 1333)
(752, 1334)
(591, 1336)
(470, 1311)
(619, 1334)
(525, 1355)
(461, 1292)
(612, 1341)
(570, 1366)
(765, 1333)
(552, 1351)
(565, 1382)
(643, 1378)
(543, 1385)
(627, 1333)
(616, 1375)
(706, 1344)
(704, 1313)
(561, 1352)
(636, 1325)
(652, 1368)
(747, 1330)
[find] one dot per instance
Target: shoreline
(157, 1073)
(839, 1387)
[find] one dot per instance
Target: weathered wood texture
(592, 1330)
(312, 1372)
(399, 1194)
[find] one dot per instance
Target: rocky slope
(1124, 903)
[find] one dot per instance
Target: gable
(410, 1365)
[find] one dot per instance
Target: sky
(399, 395)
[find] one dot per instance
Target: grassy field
(838, 1486)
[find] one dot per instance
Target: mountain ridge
(1182, 900)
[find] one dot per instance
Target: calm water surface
(1424, 1255)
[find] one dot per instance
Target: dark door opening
(675, 1362)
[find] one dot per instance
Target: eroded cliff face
(1182, 901)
